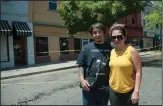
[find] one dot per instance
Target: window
(144, 22)
(52, 4)
(145, 34)
(85, 42)
(42, 46)
(156, 26)
(64, 45)
(133, 21)
(77, 45)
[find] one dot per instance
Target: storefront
(16, 44)
(21, 32)
(53, 44)
(148, 40)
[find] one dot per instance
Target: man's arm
(81, 72)
(81, 61)
(84, 83)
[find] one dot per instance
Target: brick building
(134, 28)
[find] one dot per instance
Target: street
(62, 87)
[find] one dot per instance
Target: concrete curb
(46, 71)
(39, 72)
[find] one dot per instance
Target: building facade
(133, 28)
(151, 36)
(35, 33)
(16, 34)
(51, 38)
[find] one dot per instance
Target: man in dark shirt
(92, 54)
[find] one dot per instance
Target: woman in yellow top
(126, 69)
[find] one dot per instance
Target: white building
(150, 36)
(16, 34)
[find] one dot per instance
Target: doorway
(20, 48)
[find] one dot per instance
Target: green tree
(79, 15)
(154, 17)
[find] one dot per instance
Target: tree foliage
(79, 15)
(154, 16)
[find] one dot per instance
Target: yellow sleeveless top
(122, 71)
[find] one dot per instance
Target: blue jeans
(95, 98)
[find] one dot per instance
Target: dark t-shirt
(90, 51)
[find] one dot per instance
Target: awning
(21, 29)
(5, 27)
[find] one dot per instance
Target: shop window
(52, 4)
(77, 45)
(64, 45)
(42, 46)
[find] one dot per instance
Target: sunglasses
(118, 37)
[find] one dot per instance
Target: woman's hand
(135, 97)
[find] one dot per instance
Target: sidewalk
(36, 69)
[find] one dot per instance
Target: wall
(53, 47)
(39, 12)
(4, 47)
(30, 47)
(53, 34)
(10, 63)
(41, 30)
(14, 10)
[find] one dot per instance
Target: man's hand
(85, 85)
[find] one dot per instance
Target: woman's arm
(136, 60)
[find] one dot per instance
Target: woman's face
(117, 38)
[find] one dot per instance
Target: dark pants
(120, 99)
(95, 98)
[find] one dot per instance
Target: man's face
(98, 35)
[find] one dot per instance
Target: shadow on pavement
(28, 66)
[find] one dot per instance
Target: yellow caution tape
(80, 50)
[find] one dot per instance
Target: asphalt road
(61, 87)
